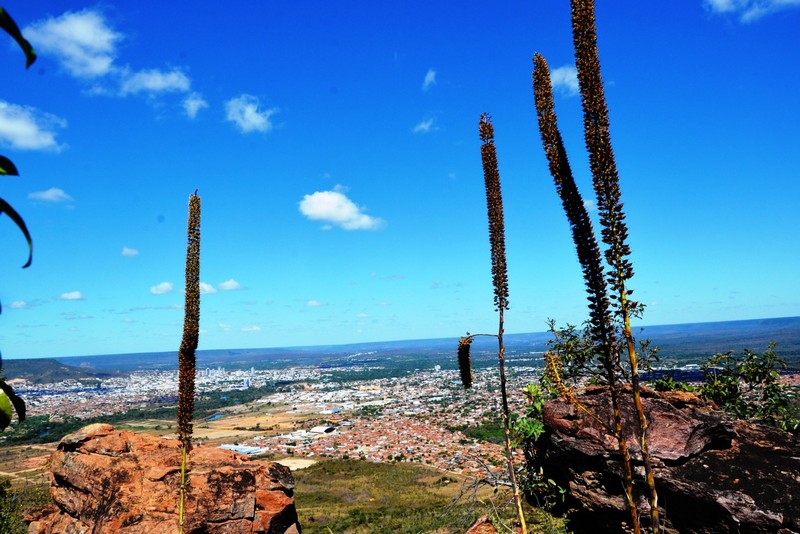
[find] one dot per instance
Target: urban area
(422, 417)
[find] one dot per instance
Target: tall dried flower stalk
(191, 325)
(494, 204)
(602, 331)
(612, 217)
(186, 354)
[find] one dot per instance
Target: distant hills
(694, 343)
(680, 344)
(48, 371)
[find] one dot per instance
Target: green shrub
(748, 387)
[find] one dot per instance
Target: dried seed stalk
(191, 325)
(494, 204)
(612, 217)
(186, 353)
(603, 335)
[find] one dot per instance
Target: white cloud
(207, 289)
(335, 208)
(162, 289)
(246, 113)
(86, 46)
(18, 305)
(225, 327)
(425, 127)
(127, 251)
(590, 204)
(71, 295)
(82, 41)
(229, 285)
(251, 328)
(154, 81)
(53, 194)
(70, 316)
(565, 79)
(26, 128)
(430, 80)
(725, 6)
(313, 303)
(750, 10)
(193, 103)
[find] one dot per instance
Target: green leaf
(16, 400)
(8, 24)
(5, 411)
(5, 207)
(7, 167)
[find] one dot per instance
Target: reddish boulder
(484, 525)
(105, 480)
(713, 474)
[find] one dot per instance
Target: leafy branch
(10, 402)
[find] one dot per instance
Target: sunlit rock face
(713, 474)
(105, 480)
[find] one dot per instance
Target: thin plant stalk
(590, 259)
(612, 217)
(182, 491)
(186, 354)
(494, 203)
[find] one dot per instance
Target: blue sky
(335, 149)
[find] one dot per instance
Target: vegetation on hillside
(350, 496)
(747, 386)
(14, 502)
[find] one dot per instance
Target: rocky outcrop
(105, 480)
(713, 474)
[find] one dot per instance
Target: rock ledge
(104, 480)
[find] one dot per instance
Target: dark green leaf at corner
(5, 411)
(15, 400)
(7, 168)
(6, 208)
(8, 24)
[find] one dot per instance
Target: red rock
(104, 480)
(484, 525)
(713, 474)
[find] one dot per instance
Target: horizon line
(332, 345)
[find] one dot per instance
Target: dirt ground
(26, 464)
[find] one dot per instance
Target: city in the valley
(306, 413)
